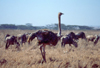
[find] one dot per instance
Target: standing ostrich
(46, 37)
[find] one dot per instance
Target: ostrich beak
(62, 13)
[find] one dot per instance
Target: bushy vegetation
(29, 26)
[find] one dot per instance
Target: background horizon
(42, 13)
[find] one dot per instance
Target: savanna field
(86, 55)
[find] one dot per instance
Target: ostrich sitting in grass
(11, 40)
(47, 37)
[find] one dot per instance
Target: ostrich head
(59, 14)
(31, 37)
(59, 23)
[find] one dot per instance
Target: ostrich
(93, 38)
(7, 36)
(81, 35)
(96, 40)
(47, 37)
(67, 40)
(22, 38)
(31, 37)
(72, 35)
(11, 40)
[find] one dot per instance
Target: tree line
(29, 26)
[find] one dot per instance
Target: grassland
(86, 55)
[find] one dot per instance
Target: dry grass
(85, 56)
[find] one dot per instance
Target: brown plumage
(93, 38)
(67, 40)
(46, 37)
(81, 35)
(31, 37)
(11, 40)
(96, 40)
(22, 38)
(72, 35)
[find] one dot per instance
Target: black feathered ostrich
(11, 40)
(46, 37)
(81, 35)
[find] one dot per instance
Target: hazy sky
(44, 12)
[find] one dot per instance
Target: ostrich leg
(62, 44)
(42, 49)
(7, 45)
(96, 40)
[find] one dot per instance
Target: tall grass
(85, 56)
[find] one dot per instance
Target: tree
(28, 24)
(8, 26)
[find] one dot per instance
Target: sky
(44, 12)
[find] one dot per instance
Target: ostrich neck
(59, 26)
